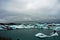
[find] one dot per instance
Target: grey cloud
(18, 10)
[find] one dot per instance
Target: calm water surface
(27, 34)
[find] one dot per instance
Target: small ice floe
(45, 27)
(41, 35)
(54, 34)
(2, 27)
(57, 29)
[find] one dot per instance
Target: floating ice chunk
(13, 26)
(17, 26)
(57, 28)
(45, 27)
(1, 28)
(54, 34)
(41, 35)
(20, 26)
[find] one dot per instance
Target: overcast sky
(29, 10)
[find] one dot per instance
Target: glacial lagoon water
(28, 34)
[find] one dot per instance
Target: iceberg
(30, 26)
(55, 34)
(42, 35)
(13, 26)
(45, 27)
(17, 26)
(56, 28)
(2, 27)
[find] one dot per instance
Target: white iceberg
(57, 29)
(41, 35)
(30, 26)
(17, 26)
(45, 27)
(13, 26)
(2, 27)
(54, 34)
